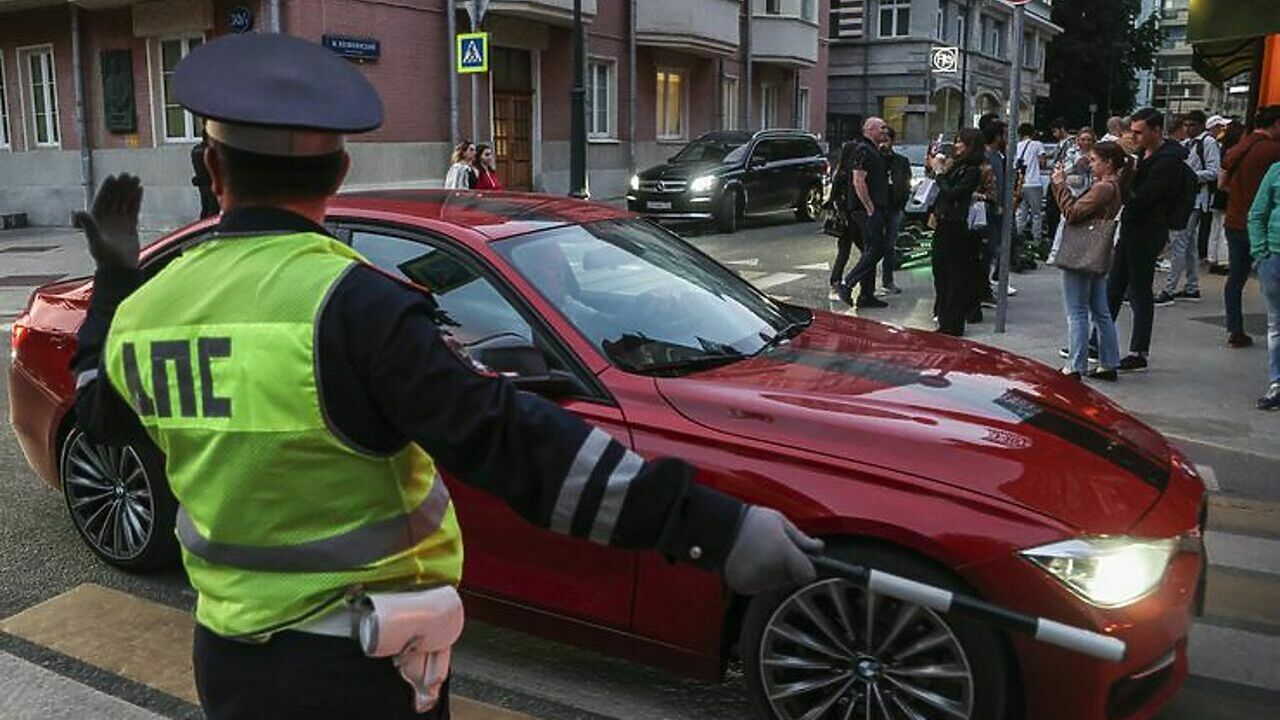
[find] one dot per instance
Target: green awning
(1226, 35)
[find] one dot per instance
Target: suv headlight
(635, 182)
(703, 184)
(1106, 571)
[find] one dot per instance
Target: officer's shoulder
(369, 286)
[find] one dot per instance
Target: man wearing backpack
(1242, 173)
(1162, 197)
(1204, 159)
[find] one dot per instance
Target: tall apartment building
(879, 63)
(690, 76)
(1176, 87)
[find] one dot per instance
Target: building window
(962, 27)
(601, 98)
(1029, 49)
(670, 104)
(179, 125)
(772, 7)
(729, 103)
(940, 29)
(895, 18)
(4, 108)
(42, 75)
(802, 109)
(809, 10)
(893, 109)
(768, 106)
(993, 36)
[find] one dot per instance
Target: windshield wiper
(701, 362)
(786, 333)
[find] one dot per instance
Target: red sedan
(944, 460)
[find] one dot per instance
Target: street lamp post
(578, 125)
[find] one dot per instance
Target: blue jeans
(892, 221)
(1085, 298)
(1184, 256)
(1269, 277)
(1237, 275)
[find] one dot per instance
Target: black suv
(726, 175)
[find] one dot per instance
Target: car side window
(470, 308)
(767, 150)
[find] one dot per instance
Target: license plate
(654, 205)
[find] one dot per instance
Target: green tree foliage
(1096, 59)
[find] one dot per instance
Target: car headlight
(1106, 571)
(635, 182)
(703, 184)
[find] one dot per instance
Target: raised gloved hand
(769, 552)
(112, 228)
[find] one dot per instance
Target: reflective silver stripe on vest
(576, 479)
(615, 492)
(351, 550)
(86, 377)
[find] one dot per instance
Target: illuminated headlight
(635, 182)
(703, 184)
(1106, 571)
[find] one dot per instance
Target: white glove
(769, 553)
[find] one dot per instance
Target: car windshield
(646, 299)
(706, 150)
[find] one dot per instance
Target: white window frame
(994, 29)
(191, 127)
(941, 30)
(50, 92)
(768, 110)
(660, 111)
(803, 98)
(962, 26)
(6, 136)
(894, 8)
(729, 102)
(610, 131)
(1032, 47)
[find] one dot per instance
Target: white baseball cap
(1216, 121)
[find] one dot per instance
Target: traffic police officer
(304, 403)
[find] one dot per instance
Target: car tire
(810, 207)
(728, 215)
(963, 665)
(120, 502)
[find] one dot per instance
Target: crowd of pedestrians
(1187, 188)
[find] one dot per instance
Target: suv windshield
(706, 150)
(646, 299)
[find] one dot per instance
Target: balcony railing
(556, 12)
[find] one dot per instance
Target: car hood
(952, 411)
(681, 171)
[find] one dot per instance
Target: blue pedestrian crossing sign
(473, 52)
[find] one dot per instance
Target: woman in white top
(462, 173)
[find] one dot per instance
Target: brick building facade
(690, 77)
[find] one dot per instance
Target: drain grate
(28, 280)
(1254, 323)
(28, 248)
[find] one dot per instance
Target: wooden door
(513, 138)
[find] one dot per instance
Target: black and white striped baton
(1087, 642)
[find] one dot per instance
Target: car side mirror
(526, 367)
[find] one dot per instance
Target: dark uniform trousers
(300, 675)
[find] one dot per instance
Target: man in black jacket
(899, 193)
(1144, 229)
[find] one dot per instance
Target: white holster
(419, 630)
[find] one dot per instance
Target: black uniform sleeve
(388, 377)
(100, 411)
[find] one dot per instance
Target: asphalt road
(41, 557)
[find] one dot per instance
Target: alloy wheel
(813, 202)
(109, 495)
(835, 651)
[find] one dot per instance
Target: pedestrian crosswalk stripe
(144, 641)
(31, 692)
(1236, 656)
(1243, 552)
(749, 262)
(1209, 476)
(815, 266)
(778, 278)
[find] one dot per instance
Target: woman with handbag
(956, 243)
(1084, 254)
